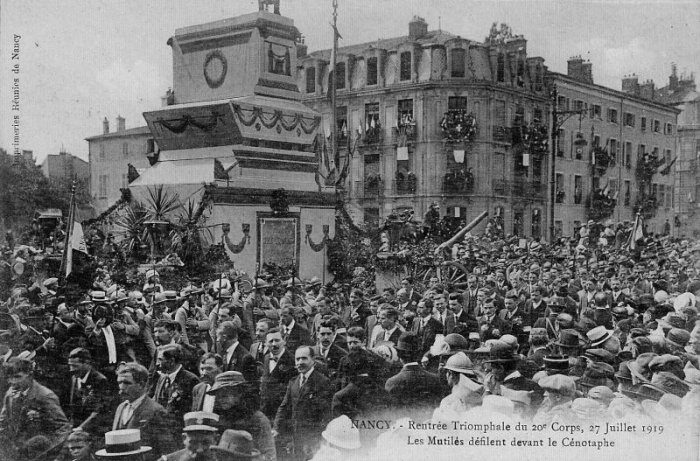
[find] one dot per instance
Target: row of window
(103, 184)
(662, 192)
(595, 111)
(456, 104)
(457, 70)
(150, 147)
(578, 150)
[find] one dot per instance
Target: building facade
(435, 118)
(681, 92)
(111, 153)
(614, 153)
(65, 167)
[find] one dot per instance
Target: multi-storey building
(110, 157)
(682, 93)
(433, 117)
(428, 118)
(65, 167)
(614, 152)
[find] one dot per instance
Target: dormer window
(372, 71)
(310, 80)
(405, 73)
(501, 68)
(458, 64)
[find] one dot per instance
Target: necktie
(164, 390)
(127, 412)
(273, 362)
(302, 381)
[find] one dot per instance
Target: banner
(77, 243)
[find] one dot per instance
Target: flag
(76, 243)
(636, 234)
(331, 68)
(667, 169)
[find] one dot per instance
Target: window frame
(372, 71)
(405, 66)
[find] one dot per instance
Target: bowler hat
(239, 443)
(501, 352)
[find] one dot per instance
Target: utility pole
(559, 117)
(332, 78)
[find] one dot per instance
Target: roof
(616, 93)
(116, 134)
(438, 37)
(677, 96)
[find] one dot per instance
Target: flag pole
(67, 246)
(331, 77)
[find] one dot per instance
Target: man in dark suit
(236, 357)
(413, 295)
(491, 326)
(90, 403)
(199, 438)
(616, 295)
(210, 366)
(470, 294)
(277, 370)
(293, 332)
(305, 410)
(259, 348)
(465, 323)
(328, 351)
(139, 411)
(425, 327)
(173, 388)
(443, 314)
(30, 411)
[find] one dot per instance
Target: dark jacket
(38, 413)
(155, 424)
(93, 397)
(427, 334)
(414, 389)
(305, 410)
(177, 399)
(273, 385)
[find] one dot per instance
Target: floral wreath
(224, 67)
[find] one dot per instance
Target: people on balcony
(457, 125)
(406, 183)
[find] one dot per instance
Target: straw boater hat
(122, 443)
(342, 433)
(598, 335)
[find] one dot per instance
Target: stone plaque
(278, 241)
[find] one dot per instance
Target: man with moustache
(259, 348)
(210, 366)
(173, 389)
(139, 411)
(327, 350)
(277, 370)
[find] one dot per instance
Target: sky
(83, 60)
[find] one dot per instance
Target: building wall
(569, 163)
(429, 86)
(65, 166)
(109, 159)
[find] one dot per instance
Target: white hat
(121, 443)
(342, 433)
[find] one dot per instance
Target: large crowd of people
(244, 368)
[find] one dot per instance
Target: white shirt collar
(135, 404)
(83, 380)
(231, 349)
(308, 373)
(173, 375)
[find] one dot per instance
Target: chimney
(417, 28)
(573, 69)
(630, 84)
(646, 90)
(302, 47)
(121, 123)
(105, 126)
(587, 72)
(673, 79)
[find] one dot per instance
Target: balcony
(502, 134)
(528, 190)
(373, 135)
(370, 188)
(458, 126)
(407, 186)
(458, 182)
(405, 132)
